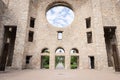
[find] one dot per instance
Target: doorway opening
(74, 62)
(92, 62)
(60, 62)
(111, 47)
(8, 47)
(45, 62)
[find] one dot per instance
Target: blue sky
(60, 16)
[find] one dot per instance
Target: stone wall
(6, 2)
(117, 10)
(29, 46)
(108, 13)
(101, 58)
(74, 36)
(45, 35)
(17, 15)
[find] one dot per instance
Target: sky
(60, 16)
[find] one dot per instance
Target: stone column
(98, 35)
(67, 61)
(52, 61)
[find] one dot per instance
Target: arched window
(60, 50)
(74, 50)
(45, 50)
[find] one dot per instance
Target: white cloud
(60, 16)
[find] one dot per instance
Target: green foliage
(58, 59)
(73, 62)
(46, 62)
(73, 66)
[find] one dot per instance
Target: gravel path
(59, 75)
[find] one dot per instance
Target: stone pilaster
(117, 17)
(98, 35)
(67, 61)
(52, 61)
(21, 10)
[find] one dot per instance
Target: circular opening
(60, 16)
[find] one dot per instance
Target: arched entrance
(74, 58)
(45, 58)
(59, 58)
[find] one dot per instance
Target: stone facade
(103, 13)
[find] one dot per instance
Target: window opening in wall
(60, 34)
(32, 22)
(92, 62)
(74, 62)
(88, 22)
(60, 62)
(89, 37)
(44, 62)
(111, 47)
(28, 59)
(30, 36)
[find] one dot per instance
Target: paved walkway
(59, 75)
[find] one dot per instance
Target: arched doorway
(74, 58)
(59, 58)
(45, 58)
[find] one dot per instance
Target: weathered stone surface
(18, 12)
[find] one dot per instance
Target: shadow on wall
(2, 7)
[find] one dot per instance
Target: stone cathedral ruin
(60, 34)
